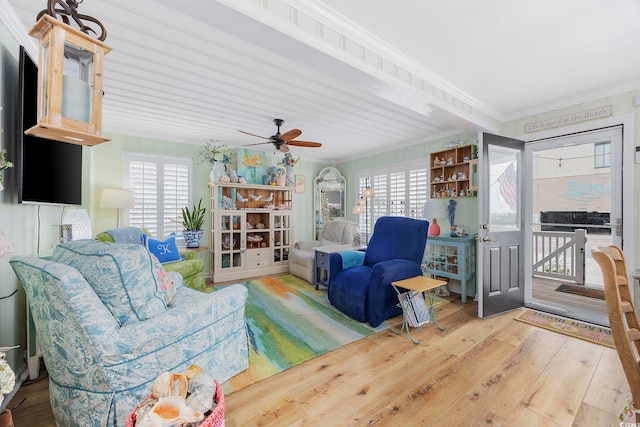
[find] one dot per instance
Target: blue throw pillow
(165, 250)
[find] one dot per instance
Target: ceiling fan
(283, 141)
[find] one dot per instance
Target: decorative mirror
(329, 197)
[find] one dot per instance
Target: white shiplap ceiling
(360, 76)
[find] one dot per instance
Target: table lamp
(117, 199)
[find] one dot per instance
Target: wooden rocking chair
(625, 326)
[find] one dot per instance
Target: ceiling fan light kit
(282, 141)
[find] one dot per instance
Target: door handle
(617, 225)
(485, 239)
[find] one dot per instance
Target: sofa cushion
(166, 250)
(122, 276)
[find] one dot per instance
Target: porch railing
(559, 254)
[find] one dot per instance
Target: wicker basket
(214, 419)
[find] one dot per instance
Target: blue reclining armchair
(395, 251)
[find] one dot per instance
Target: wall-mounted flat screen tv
(49, 172)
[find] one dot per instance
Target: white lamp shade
(117, 199)
(357, 209)
(80, 223)
(368, 193)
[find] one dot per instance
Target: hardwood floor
(494, 371)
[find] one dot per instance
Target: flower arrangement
(289, 161)
(7, 377)
(4, 164)
(215, 153)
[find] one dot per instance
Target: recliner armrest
(335, 265)
(351, 258)
(307, 244)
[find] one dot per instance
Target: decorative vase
(217, 170)
(434, 228)
(193, 238)
(281, 181)
(289, 176)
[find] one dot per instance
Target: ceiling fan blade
(305, 144)
(290, 134)
(253, 134)
(257, 143)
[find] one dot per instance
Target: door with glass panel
(230, 243)
(501, 235)
(281, 228)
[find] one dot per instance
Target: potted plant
(193, 221)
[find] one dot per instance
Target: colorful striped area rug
(574, 328)
(290, 322)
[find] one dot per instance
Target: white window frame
(401, 189)
(601, 159)
(160, 226)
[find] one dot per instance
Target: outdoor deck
(544, 289)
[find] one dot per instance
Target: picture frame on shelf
(300, 181)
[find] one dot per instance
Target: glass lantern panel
(77, 81)
(46, 53)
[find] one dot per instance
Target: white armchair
(302, 255)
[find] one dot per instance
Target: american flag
(509, 185)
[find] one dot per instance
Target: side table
(196, 250)
(322, 263)
(422, 285)
(453, 258)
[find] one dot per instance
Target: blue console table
(453, 258)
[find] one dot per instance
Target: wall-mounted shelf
(453, 172)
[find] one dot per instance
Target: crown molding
(10, 19)
(576, 100)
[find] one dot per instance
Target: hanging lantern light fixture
(70, 75)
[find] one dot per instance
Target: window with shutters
(400, 190)
(162, 187)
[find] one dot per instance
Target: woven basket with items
(192, 398)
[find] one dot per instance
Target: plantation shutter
(397, 194)
(175, 197)
(162, 187)
(417, 192)
(401, 190)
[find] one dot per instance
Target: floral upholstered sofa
(190, 268)
(109, 324)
